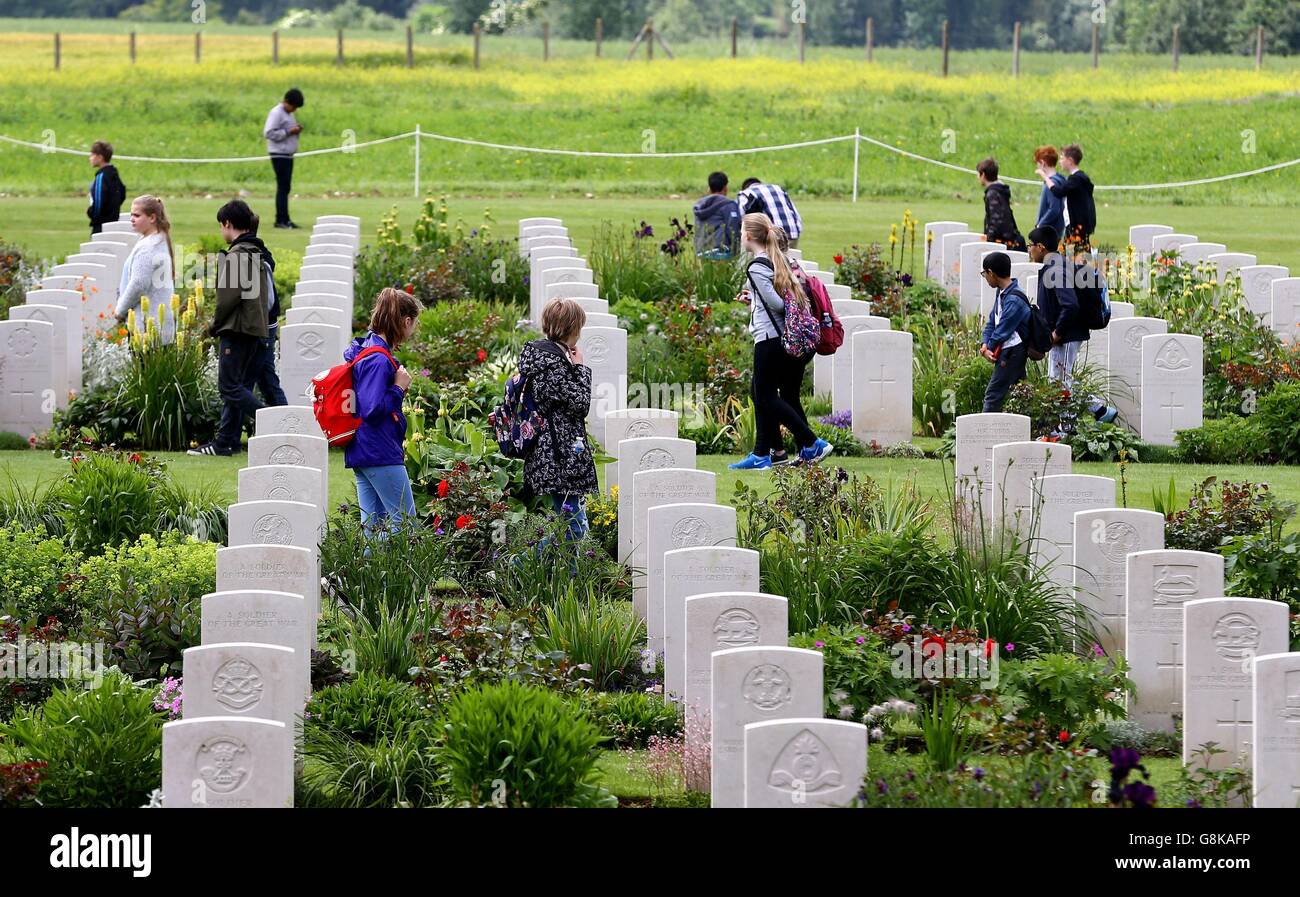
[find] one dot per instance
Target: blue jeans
(573, 508)
(384, 494)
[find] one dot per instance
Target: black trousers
(775, 388)
(237, 356)
(1008, 370)
(283, 166)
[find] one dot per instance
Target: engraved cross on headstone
(881, 384)
(1175, 666)
(1236, 722)
(21, 394)
(1171, 407)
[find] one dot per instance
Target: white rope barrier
(857, 138)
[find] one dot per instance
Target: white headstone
(807, 762)
(839, 292)
(270, 568)
(848, 308)
(571, 290)
(754, 685)
(670, 527)
(882, 386)
(227, 761)
(311, 271)
(339, 219)
(1170, 242)
(553, 271)
(266, 618)
(305, 351)
(275, 523)
(668, 486)
(935, 231)
(542, 259)
(1124, 342)
(644, 453)
(826, 277)
(604, 350)
(698, 571)
(1103, 540)
(1059, 499)
(1020, 272)
(1221, 639)
(296, 450)
(600, 319)
(950, 256)
(1275, 765)
(282, 482)
(1196, 252)
(1286, 309)
(323, 254)
(320, 314)
(833, 374)
(632, 423)
(1226, 263)
(971, 274)
(245, 679)
(1141, 235)
(973, 465)
(28, 389)
(289, 420)
(1173, 389)
(1257, 289)
(1016, 467)
(63, 361)
(1159, 584)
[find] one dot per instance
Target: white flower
(846, 711)
(839, 696)
(877, 734)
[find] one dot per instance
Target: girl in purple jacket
(376, 454)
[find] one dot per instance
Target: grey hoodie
(279, 142)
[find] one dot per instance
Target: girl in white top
(147, 271)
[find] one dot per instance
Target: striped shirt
(774, 202)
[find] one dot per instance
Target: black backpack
(1094, 304)
(1035, 333)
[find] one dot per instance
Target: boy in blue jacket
(1002, 343)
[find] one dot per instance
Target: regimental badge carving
(1172, 357)
(736, 628)
(638, 428)
(805, 765)
(767, 687)
(1291, 709)
(1236, 636)
(1174, 584)
(690, 532)
(273, 529)
(292, 423)
(22, 342)
(597, 349)
(224, 763)
(238, 685)
(287, 454)
(1118, 541)
(1262, 283)
(310, 345)
(1133, 336)
(280, 490)
(656, 459)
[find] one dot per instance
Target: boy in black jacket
(1077, 193)
(107, 192)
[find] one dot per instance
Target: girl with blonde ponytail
(770, 286)
(147, 271)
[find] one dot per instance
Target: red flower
(989, 647)
(482, 355)
(410, 288)
(135, 458)
(839, 259)
(935, 640)
(463, 521)
(1063, 737)
(442, 658)
(443, 488)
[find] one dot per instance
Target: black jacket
(1057, 299)
(717, 225)
(999, 219)
(562, 391)
(1077, 193)
(107, 193)
(241, 289)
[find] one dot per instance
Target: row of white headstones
(42, 344)
(1152, 376)
(248, 681)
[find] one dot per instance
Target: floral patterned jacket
(561, 462)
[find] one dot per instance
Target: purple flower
(1123, 761)
(861, 640)
(907, 627)
(978, 773)
(841, 419)
(819, 644)
(1140, 795)
(1096, 649)
(1010, 646)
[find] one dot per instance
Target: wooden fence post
(478, 39)
(945, 48)
(198, 47)
(58, 50)
(803, 38)
(339, 58)
(1096, 44)
(649, 40)
(1259, 48)
(1175, 48)
(600, 34)
(546, 40)
(871, 36)
(1015, 51)
(410, 47)
(735, 26)
(133, 47)
(275, 46)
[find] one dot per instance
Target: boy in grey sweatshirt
(281, 132)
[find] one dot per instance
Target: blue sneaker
(1109, 414)
(815, 452)
(752, 462)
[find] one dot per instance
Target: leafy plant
(602, 638)
(1278, 416)
(1211, 516)
(855, 668)
(1054, 778)
(1225, 440)
(102, 746)
(367, 708)
(399, 770)
(33, 568)
(1070, 693)
(517, 745)
(174, 565)
(1093, 440)
(631, 719)
(946, 728)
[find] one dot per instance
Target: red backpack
(831, 335)
(334, 401)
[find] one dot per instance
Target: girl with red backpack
(785, 339)
(376, 454)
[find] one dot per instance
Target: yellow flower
(144, 306)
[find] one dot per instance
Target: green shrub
(1071, 693)
(33, 567)
(367, 708)
(103, 745)
(1215, 514)
(517, 745)
(603, 637)
(1054, 778)
(1093, 440)
(629, 719)
(10, 441)
(1224, 440)
(1278, 416)
(105, 500)
(399, 770)
(855, 668)
(144, 600)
